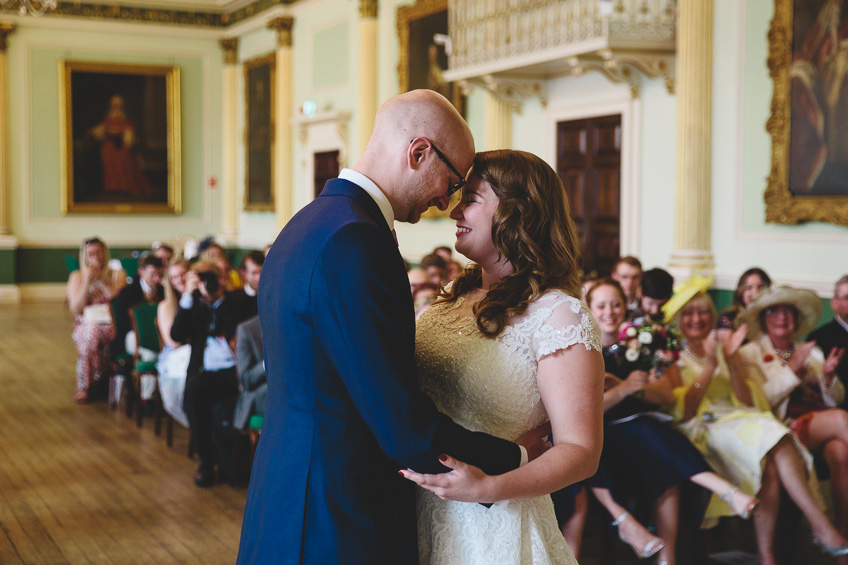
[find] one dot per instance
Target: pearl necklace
(694, 358)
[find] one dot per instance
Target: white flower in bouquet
(632, 354)
(646, 338)
(631, 332)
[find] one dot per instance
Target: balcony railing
(548, 37)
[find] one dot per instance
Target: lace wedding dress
(490, 385)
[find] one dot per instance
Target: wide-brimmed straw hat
(805, 301)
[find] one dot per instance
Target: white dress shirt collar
(249, 291)
(145, 288)
(374, 191)
(841, 322)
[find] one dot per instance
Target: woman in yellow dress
(729, 420)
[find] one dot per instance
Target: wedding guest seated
(444, 252)
(206, 320)
(164, 251)
(799, 380)
(424, 292)
(251, 371)
(89, 291)
(642, 457)
(436, 268)
(453, 270)
(750, 285)
(835, 333)
(627, 271)
(656, 288)
(720, 409)
(172, 364)
(146, 287)
(214, 252)
(245, 297)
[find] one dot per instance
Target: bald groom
(344, 411)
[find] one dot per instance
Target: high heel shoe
(749, 508)
(651, 548)
(834, 551)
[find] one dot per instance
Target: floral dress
(733, 437)
(92, 343)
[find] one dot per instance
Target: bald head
(400, 157)
(419, 113)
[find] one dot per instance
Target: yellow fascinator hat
(684, 292)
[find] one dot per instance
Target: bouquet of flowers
(650, 344)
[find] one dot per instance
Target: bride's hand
(464, 482)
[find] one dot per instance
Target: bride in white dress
(507, 349)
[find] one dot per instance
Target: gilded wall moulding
(808, 180)
(6, 29)
(197, 18)
(367, 8)
(283, 26)
(230, 47)
(512, 91)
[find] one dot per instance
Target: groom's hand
(535, 441)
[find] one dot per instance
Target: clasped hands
(467, 483)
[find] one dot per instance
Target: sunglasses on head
(92, 241)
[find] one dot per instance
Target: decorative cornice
(367, 8)
(230, 47)
(509, 90)
(156, 16)
(283, 26)
(6, 29)
(626, 67)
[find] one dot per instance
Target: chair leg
(169, 431)
(139, 418)
(191, 446)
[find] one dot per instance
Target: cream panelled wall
(33, 57)
(329, 72)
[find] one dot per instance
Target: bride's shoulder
(558, 299)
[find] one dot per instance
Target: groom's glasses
(457, 185)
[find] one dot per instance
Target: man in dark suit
(344, 410)
(147, 287)
(245, 297)
(250, 360)
(206, 319)
(835, 333)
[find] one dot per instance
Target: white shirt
(374, 191)
(841, 322)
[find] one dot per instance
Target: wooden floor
(82, 484)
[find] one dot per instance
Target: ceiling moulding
(208, 15)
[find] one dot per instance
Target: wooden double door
(589, 164)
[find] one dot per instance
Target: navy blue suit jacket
(344, 410)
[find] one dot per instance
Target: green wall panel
(38, 265)
(7, 266)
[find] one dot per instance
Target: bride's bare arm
(571, 386)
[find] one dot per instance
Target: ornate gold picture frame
(259, 96)
(809, 112)
(120, 129)
(422, 60)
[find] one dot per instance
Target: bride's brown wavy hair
(532, 228)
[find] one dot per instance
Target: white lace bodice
(489, 384)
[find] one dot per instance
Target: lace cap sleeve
(566, 322)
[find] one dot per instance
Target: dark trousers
(207, 394)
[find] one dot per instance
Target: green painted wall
(7, 266)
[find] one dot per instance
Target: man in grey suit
(251, 370)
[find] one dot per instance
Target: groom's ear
(416, 153)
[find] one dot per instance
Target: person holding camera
(206, 319)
